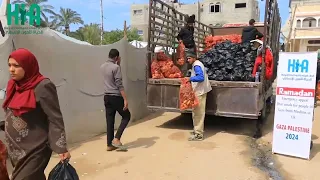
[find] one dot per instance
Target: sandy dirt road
(295, 168)
(159, 150)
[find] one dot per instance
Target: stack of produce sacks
(211, 41)
(229, 61)
(163, 67)
(187, 97)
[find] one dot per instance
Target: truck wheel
(259, 123)
(311, 145)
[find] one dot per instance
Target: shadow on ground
(315, 150)
(142, 142)
(214, 125)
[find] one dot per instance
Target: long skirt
(32, 166)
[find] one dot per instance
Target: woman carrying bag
(34, 125)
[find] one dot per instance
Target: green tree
(45, 8)
(132, 34)
(89, 33)
(112, 36)
(50, 24)
(116, 35)
(66, 17)
(78, 34)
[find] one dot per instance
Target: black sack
(63, 171)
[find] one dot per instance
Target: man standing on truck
(186, 36)
(201, 86)
(250, 33)
(115, 100)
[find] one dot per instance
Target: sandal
(111, 148)
(196, 137)
(120, 147)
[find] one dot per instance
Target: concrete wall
(74, 69)
(304, 45)
(140, 20)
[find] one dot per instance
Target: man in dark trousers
(115, 100)
(1, 29)
(186, 36)
(250, 33)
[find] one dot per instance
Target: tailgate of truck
(229, 99)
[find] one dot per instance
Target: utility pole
(101, 13)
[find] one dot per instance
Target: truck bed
(227, 98)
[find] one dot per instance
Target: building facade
(292, 3)
(207, 11)
(303, 27)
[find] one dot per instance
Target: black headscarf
(191, 20)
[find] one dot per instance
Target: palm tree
(89, 33)
(45, 8)
(50, 24)
(66, 17)
(78, 34)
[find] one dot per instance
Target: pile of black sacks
(229, 61)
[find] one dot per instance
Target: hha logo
(294, 65)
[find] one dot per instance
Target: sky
(117, 11)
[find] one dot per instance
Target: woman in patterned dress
(34, 125)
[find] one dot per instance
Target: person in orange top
(268, 59)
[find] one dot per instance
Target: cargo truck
(228, 99)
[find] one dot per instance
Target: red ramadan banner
(301, 92)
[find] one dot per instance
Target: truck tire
(259, 124)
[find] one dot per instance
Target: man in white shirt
(201, 86)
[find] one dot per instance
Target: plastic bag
(187, 97)
(181, 54)
(228, 61)
(156, 70)
(63, 171)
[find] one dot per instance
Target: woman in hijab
(34, 125)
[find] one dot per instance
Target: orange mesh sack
(181, 54)
(211, 41)
(318, 90)
(187, 97)
(161, 56)
(156, 70)
(173, 72)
